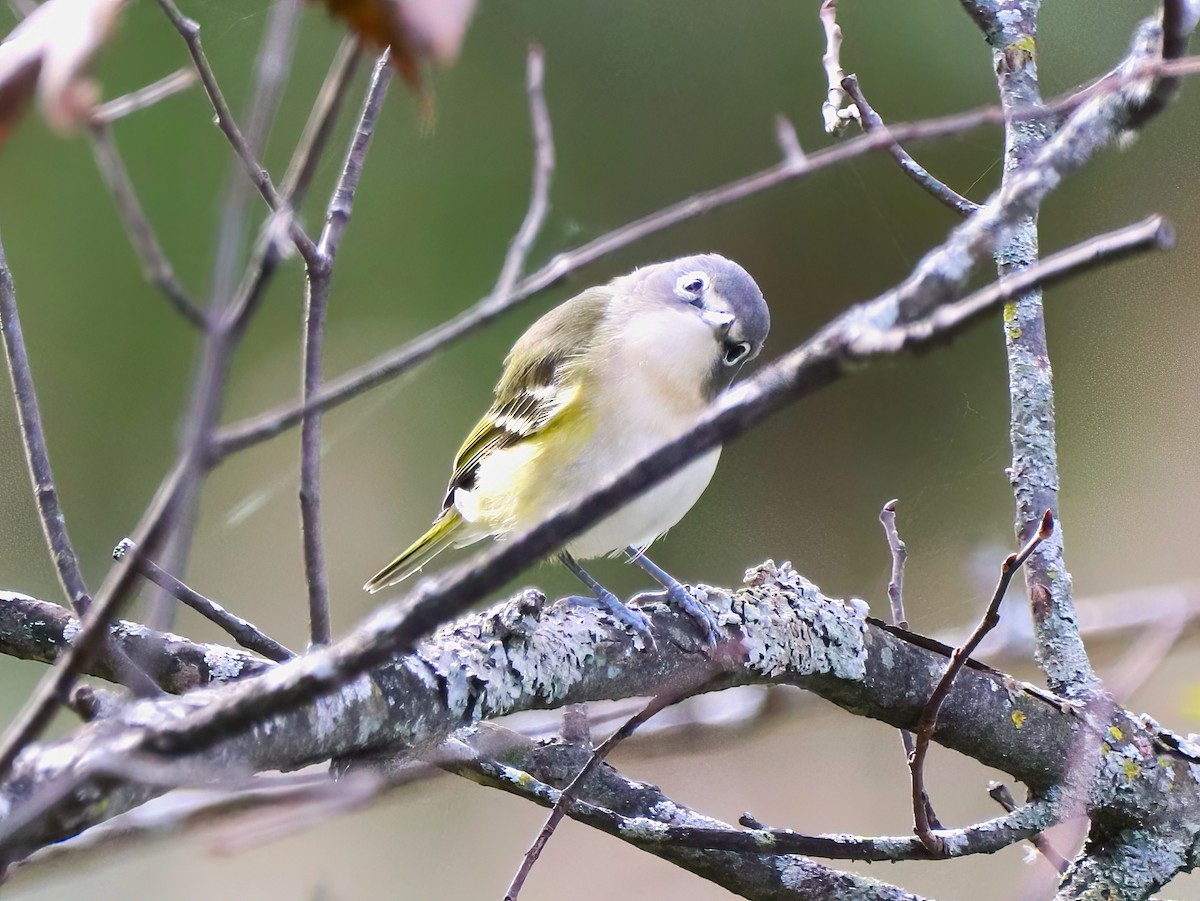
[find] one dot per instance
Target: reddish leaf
(49, 53)
(417, 31)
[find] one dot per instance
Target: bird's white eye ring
(735, 353)
(691, 285)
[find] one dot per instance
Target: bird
(593, 385)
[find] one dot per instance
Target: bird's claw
(681, 597)
(624, 614)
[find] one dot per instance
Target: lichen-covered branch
(524, 654)
(1034, 469)
(31, 629)
(639, 814)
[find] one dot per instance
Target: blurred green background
(651, 101)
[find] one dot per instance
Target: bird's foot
(627, 616)
(681, 597)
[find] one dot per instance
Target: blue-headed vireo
(592, 386)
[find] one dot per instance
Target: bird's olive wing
(540, 382)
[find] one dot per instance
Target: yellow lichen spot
(1105, 750)
(1025, 43)
(525, 780)
(1132, 769)
(1116, 733)
(1018, 718)
(1010, 313)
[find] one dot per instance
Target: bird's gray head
(722, 294)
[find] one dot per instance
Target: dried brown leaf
(417, 31)
(49, 53)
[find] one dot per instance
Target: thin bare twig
(319, 274)
(928, 719)
(569, 794)
(895, 590)
(33, 437)
(999, 793)
(543, 171)
(294, 187)
(242, 631)
(272, 63)
(914, 170)
(834, 112)
(142, 98)
(189, 30)
(155, 265)
(54, 524)
(899, 551)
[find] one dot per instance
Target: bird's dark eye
(695, 286)
(735, 353)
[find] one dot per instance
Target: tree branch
(928, 722)
(522, 655)
(37, 456)
(36, 630)
(849, 340)
(156, 268)
(189, 30)
(543, 171)
(319, 274)
(242, 631)
(914, 170)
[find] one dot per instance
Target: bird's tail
(439, 537)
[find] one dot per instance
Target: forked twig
(895, 590)
(928, 719)
(834, 111)
(189, 30)
(543, 171)
(319, 272)
(872, 122)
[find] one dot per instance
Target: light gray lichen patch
(223, 665)
(667, 811)
(493, 662)
(353, 698)
(792, 873)
(789, 626)
(643, 829)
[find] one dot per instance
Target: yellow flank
(516, 486)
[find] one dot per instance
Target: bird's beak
(718, 320)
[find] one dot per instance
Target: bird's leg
(605, 599)
(676, 594)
